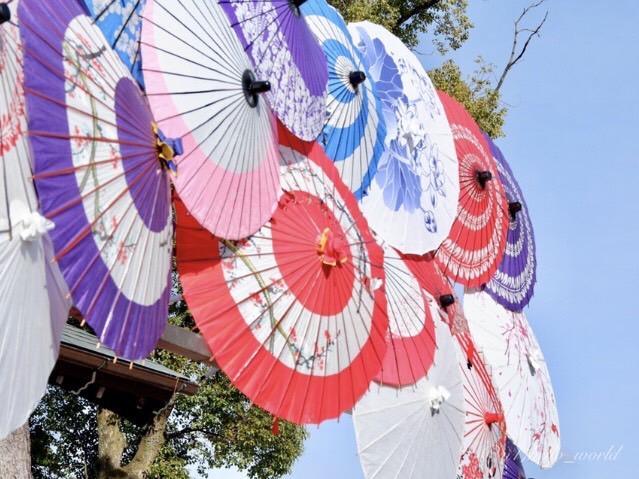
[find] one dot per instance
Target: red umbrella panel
(475, 246)
(292, 314)
(411, 334)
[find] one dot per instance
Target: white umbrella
(32, 291)
(412, 200)
(520, 375)
(414, 432)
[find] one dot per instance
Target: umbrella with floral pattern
(121, 23)
(292, 314)
(101, 168)
(284, 51)
(520, 375)
(472, 251)
(33, 295)
(412, 200)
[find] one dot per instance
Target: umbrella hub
(484, 177)
(356, 78)
(436, 397)
(253, 87)
(5, 13)
(492, 417)
(34, 225)
(167, 148)
(446, 300)
(295, 6)
(331, 248)
(514, 207)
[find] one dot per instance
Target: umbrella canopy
(520, 375)
(354, 130)
(121, 23)
(414, 432)
(472, 252)
(412, 200)
(483, 446)
(202, 88)
(284, 52)
(32, 292)
(411, 334)
(292, 314)
(514, 281)
(513, 468)
(99, 176)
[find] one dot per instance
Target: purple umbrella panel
(513, 468)
(101, 171)
(513, 284)
(284, 52)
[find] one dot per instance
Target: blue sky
(571, 136)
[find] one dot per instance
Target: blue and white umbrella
(354, 132)
(412, 201)
(121, 23)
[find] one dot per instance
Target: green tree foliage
(446, 20)
(475, 92)
(218, 427)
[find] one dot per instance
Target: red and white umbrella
(33, 295)
(520, 374)
(411, 332)
(202, 88)
(292, 314)
(476, 243)
(414, 432)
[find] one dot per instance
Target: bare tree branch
(515, 55)
(416, 10)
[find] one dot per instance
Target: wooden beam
(186, 343)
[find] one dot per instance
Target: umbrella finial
(356, 78)
(446, 300)
(331, 249)
(5, 13)
(252, 87)
(484, 177)
(492, 418)
(514, 207)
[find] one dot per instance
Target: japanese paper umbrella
(32, 291)
(99, 176)
(412, 201)
(203, 89)
(354, 132)
(513, 468)
(513, 283)
(411, 335)
(284, 52)
(414, 432)
(520, 375)
(121, 23)
(290, 313)
(475, 246)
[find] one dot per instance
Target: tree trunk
(15, 455)
(112, 442)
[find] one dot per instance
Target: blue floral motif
(432, 168)
(397, 178)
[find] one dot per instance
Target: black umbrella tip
(253, 87)
(514, 207)
(356, 78)
(484, 177)
(446, 300)
(299, 3)
(5, 13)
(257, 87)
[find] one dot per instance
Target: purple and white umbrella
(513, 284)
(513, 469)
(33, 295)
(99, 175)
(284, 52)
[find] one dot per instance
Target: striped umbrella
(354, 130)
